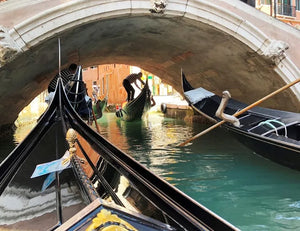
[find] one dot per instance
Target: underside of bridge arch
(209, 57)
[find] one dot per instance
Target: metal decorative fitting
(8, 48)
(276, 51)
(71, 138)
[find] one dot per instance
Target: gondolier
(66, 74)
(136, 108)
(132, 78)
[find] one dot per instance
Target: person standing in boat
(153, 103)
(96, 91)
(132, 78)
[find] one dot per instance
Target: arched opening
(217, 48)
(108, 78)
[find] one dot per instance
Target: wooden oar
(98, 129)
(241, 112)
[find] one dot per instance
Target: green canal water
(247, 190)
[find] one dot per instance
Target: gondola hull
(272, 134)
(99, 107)
(280, 153)
(135, 109)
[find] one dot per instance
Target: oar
(240, 112)
(98, 129)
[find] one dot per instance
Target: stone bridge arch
(217, 48)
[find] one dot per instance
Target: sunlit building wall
(109, 79)
(287, 11)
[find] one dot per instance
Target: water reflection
(152, 141)
(22, 131)
(20, 204)
(247, 190)
(24, 204)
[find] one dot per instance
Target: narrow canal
(250, 192)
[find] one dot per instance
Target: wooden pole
(241, 111)
(271, 8)
(97, 126)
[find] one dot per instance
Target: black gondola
(134, 109)
(77, 94)
(99, 107)
(113, 186)
(273, 134)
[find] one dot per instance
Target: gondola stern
(184, 83)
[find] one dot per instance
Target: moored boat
(273, 134)
(99, 107)
(93, 185)
(135, 109)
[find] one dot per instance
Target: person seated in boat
(66, 75)
(132, 78)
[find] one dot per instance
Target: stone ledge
(185, 113)
(175, 106)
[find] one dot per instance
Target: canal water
(247, 190)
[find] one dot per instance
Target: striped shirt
(66, 75)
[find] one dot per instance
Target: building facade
(287, 11)
(109, 80)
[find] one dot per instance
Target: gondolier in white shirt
(132, 78)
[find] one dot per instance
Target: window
(249, 2)
(298, 5)
(284, 7)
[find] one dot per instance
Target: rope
(269, 123)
